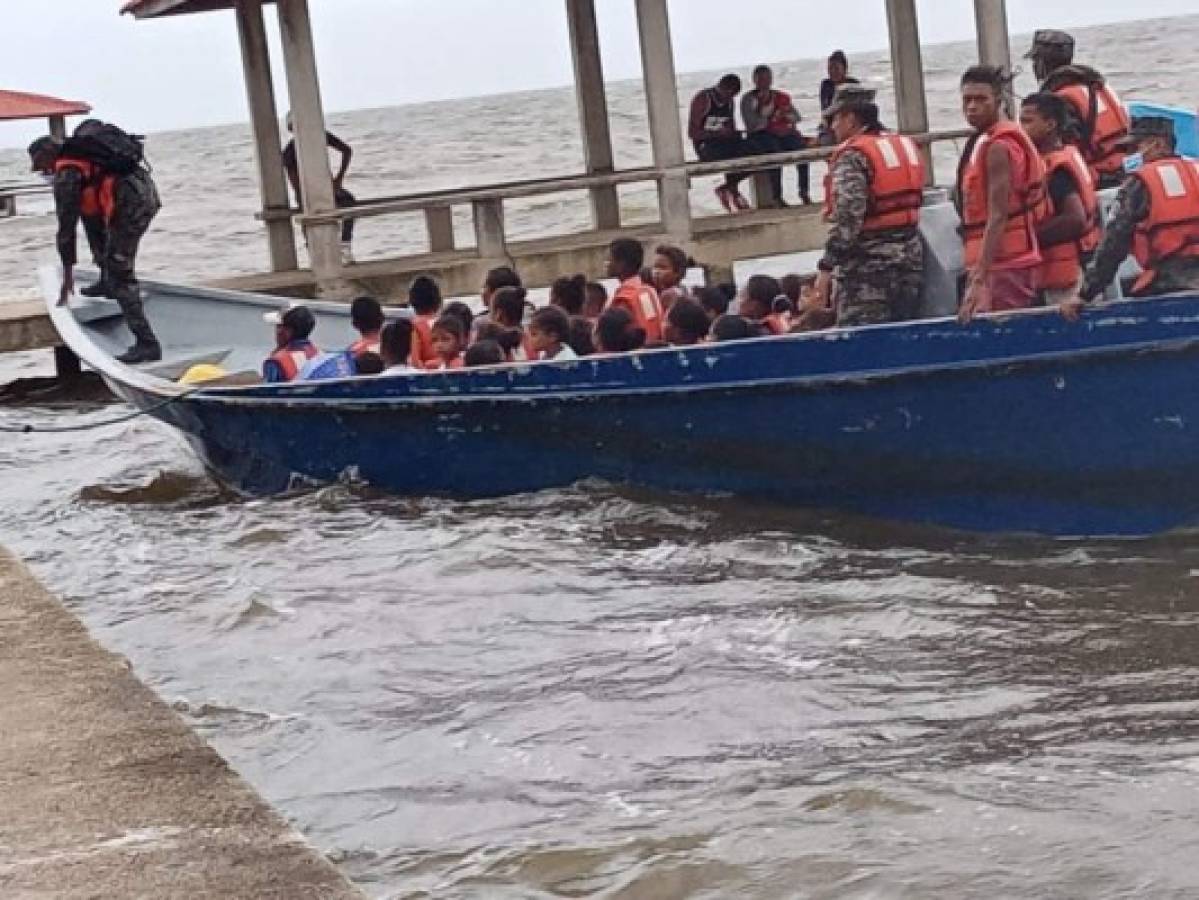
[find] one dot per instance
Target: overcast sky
(185, 71)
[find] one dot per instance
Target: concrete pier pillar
(316, 180)
(994, 45)
(58, 128)
(264, 121)
(662, 98)
(593, 109)
(907, 68)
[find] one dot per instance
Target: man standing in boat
(99, 175)
(1071, 232)
(1001, 200)
(1155, 216)
(873, 264)
(1100, 121)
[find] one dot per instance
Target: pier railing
(487, 201)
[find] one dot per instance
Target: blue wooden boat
(1020, 422)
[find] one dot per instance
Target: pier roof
(151, 9)
(20, 105)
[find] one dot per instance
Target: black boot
(99, 289)
(141, 353)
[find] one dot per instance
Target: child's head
(508, 306)
(714, 301)
(497, 278)
(366, 315)
(569, 293)
(508, 339)
(626, 256)
(549, 329)
(582, 336)
(462, 311)
(782, 306)
(368, 363)
(616, 332)
(424, 296)
(447, 337)
(686, 323)
(484, 353)
(792, 287)
(597, 299)
(670, 267)
(731, 328)
(757, 301)
(395, 343)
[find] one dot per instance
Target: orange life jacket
(422, 341)
(291, 361)
(1027, 207)
(642, 302)
(1104, 122)
(99, 190)
(1172, 227)
(896, 185)
(365, 345)
(1061, 264)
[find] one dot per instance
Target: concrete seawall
(107, 793)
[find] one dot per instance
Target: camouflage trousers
(136, 204)
(882, 283)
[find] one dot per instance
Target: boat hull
(1024, 423)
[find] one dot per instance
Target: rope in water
(92, 426)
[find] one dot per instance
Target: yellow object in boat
(202, 372)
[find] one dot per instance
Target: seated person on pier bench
(771, 126)
(712, 127)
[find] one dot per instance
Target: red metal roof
(19, 105)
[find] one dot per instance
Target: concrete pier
(106, 791)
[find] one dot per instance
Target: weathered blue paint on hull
(1023, 423)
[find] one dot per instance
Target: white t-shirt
(565, 353)
(401, 369)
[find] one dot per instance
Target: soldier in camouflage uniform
(114, 239)
(868, 277)
(1152, 138)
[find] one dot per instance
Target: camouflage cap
(1148, 127)
(1048, 39)
(848, 95)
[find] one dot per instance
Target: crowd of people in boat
(1027, 195)
(651, 307)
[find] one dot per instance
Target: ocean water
(604, 692)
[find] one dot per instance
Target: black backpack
(110, 148)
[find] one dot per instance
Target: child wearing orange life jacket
(549, 334)
(448, 338)
(625, 257)
(757, 305)
(366, 315)
(508, 312)
(424, 296)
